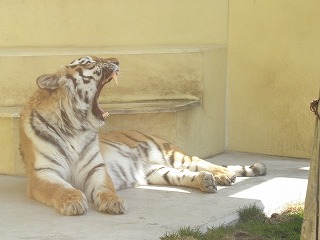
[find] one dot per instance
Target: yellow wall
(167, 49)
(83, 23)
(273, 74)
(142, 76)
(38, 36)
(273, 58)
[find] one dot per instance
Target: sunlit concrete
(155, 210)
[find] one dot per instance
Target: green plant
(253, 225)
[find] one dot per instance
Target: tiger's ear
(48, 81)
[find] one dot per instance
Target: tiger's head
(82, 81)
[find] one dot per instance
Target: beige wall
(142, 77)
(38, 36)
(273, 74)
(167, 49)
(56, 23)
(273, 57)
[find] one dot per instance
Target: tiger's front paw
(72, 202)
(110, 203)
(207, 182)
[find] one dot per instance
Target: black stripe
(144, 148)
(86, 147)
(244, 171)
(74, 80)
(165, 177)
(154, 142)
(79, 92)
(115, 172)
(91, 195)
(167, 147)
(45, 135)
(113, 144)
(66, 119)
(89, 66)
(98, 72)
(131, 138)
(133, 171)
(89, 161)
(121, 170)
(171, 159)
(80, 72)
(153, 171)
(86, 98)
(51, 159)
(43, 120)
(86, 79)
(135, 158)
(183, 161)
(50, 169)
(92, 171)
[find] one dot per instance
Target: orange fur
(58, 129)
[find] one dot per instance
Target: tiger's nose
(117, 68)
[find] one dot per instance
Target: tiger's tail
(257, 169)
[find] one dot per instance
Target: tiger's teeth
(115, 78)
(105, 115)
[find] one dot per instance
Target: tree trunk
(311, 224)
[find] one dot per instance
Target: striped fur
(68, 163)
(59, 140)
(133, 158)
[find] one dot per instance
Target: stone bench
(174, 92)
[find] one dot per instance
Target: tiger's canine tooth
(115, 78)
(105, 115)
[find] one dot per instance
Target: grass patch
(253, 225)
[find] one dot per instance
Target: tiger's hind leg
(226, 175)
(223, 175)
(163, 175)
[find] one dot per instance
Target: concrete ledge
(152, 106)
(13, 112)
(28, 52)
(135, 107)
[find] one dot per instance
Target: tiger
(69, 162)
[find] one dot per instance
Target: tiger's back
(128, 154)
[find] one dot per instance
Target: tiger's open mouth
(96, 109)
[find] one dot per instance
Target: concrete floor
(155, 210)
